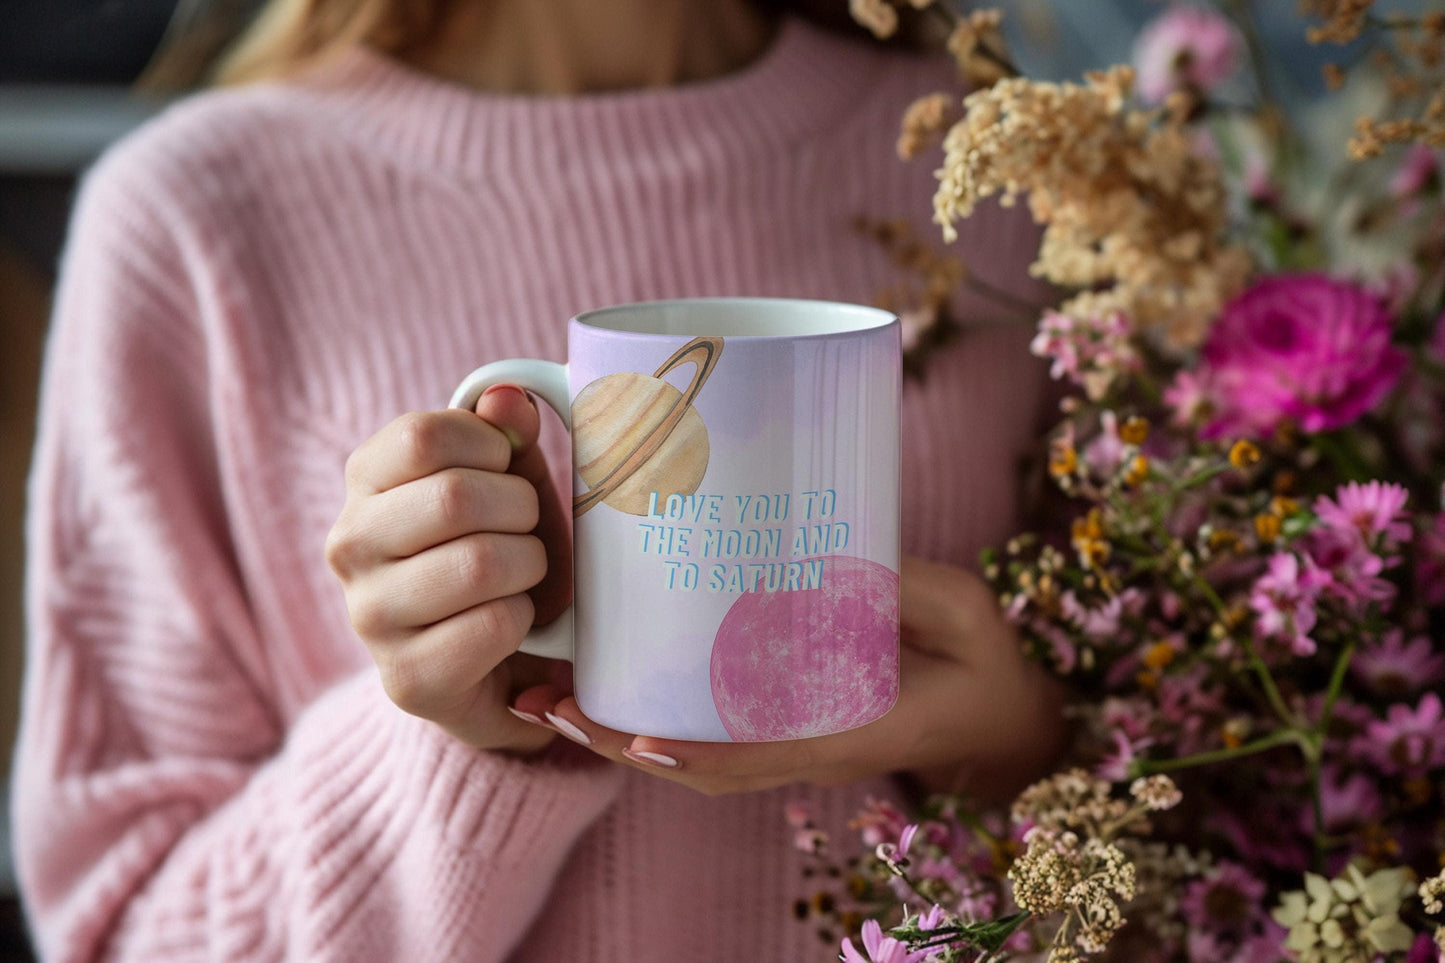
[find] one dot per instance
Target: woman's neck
(555, 47)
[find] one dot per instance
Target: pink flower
(880, 948)
(1090, 353)
(1260, 948)
(1097, 624)
(1302, 347)
(1408, 741)
(1394, 667)
(799, 813)
(1186, 47)
(879, 821)
(1188, 397)
(1425, 950)
(1372, 509)
(1349, 570)
(1226, 900)
(1284, 600)
(1105, 451)
(905, 839)
(1418, 173)
(1348, 801)
(1115, 766)
(935, 917)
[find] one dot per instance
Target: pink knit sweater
(259, 280)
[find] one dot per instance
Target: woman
(215, 762)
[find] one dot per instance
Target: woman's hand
(440, 540)
(972, 713)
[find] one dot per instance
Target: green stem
(1274, 740)
(1256, 661)
(1337, 682)
(1202, 476)
(1312, 756)
(1345, 461)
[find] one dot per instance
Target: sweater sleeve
(163, 808)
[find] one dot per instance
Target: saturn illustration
(634, 434)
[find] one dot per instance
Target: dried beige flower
(1413, 66)
(1087, 880)
(1135, 217)
(1344, 19)
(879, 16)
(1156, 793)
(1432, 892)
(978, 47)
(924, 122)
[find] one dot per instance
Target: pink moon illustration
(789, 665)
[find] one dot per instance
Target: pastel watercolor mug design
(735, 531)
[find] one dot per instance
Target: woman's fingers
(448, 504)
(449, 578)
(946, 610)
(424, 442)
(510, 408)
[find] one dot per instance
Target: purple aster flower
(1393, 667)
(1424, 950)
(1186, 47)
(1097, 624)
(1115, 766)
(1304, 348)
(879, 948)
(1283, 599)
(905, 839)
(1373, 509)
(934, 918)
(1407, 741)
(1227, 900)
(1348, 801)
(1349, 570)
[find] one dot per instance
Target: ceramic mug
(736, 513)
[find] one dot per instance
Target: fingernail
(526, 716)
(507, 387)
(569, 730)
(651, 758)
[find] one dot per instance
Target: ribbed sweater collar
(804, 83)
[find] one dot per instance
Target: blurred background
(68, 75)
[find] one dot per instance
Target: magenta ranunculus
(1297, 347)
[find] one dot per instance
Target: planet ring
(703, 353)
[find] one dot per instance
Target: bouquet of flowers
(1246, 596)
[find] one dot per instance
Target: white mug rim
(827, 319)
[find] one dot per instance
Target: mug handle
(548, 380)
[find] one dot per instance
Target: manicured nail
(526, 716)
(569, 730)
(650, 758)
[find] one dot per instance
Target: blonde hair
(287, 37)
